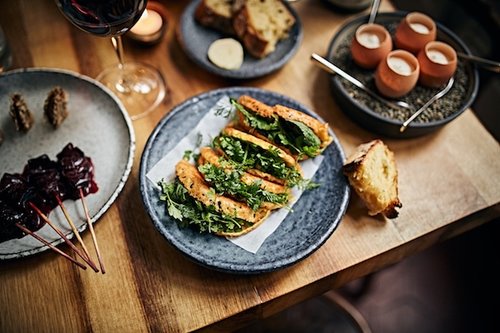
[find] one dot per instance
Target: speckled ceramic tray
(196, 39)
(361, 108)
(97, 123)
(313, 219)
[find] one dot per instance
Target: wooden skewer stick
(73, 227)
(66, 240)
(91, 228)
(52, 247)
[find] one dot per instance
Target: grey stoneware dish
(314, 217)
(375, 122)
(97, 123)
(196, 39)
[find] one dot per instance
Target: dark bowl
(375, 116)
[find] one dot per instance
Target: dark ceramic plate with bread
(375, 116)
(313, 219)
(196, 39)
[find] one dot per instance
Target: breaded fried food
(296, 132)
(193, 181)
(208, 155)
(289, 160)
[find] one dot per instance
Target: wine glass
(140, 87)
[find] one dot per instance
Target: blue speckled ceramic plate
(97, 123)
(313, 219)
(196, 40)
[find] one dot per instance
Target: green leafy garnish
(247, 155)
(228, 182)
(294, 135)
(188, 211)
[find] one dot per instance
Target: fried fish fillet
(210, 156)
(288, 114)
(266, 145)
(194, 183)
(207, 155)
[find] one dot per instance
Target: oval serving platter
(314, 217)
(196, 39)
(97, 123)
(364, 114)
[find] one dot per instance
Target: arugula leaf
(256, 121)
(188, 211)
(228, 182)
(294, 135)
(246, 155)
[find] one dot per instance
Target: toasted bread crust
(372, 172)
(210, 17)
(261, 24)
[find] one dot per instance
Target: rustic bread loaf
(216, 14)
(372, 172)
(261, 24)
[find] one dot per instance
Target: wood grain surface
(449, 183)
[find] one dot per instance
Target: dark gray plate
(97, 123)
(313, 219)
(196, 39)
(363, 113)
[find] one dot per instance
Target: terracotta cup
(370, 45)
(414, 32)
(438, 63)
(397, 74)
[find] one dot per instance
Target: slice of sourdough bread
(216, 14)
(372, 172)
(261, 24)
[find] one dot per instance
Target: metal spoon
(485, 63)
(331, 68)
(440, 94)
(373, 11)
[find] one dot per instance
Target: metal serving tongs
(434, 98)
(331, 68)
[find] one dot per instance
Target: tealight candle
(399, 65)
(151, 26)
(370, 45)
(437, 56)
(420, 28)
(438, 62)
(397, 74)
(369, 40)
(149, 23)
(414, 31)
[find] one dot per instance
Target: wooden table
(449, 183)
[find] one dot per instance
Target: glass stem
(123, 85)
(118, 46)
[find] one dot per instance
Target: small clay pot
(371, 44)
(414, 32)
(397, 74)
(438, 63)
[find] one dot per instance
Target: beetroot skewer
(78, 173)
(66, 240)
(52, 247)
(44, 174)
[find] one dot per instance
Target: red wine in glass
(103, 18)
(140, 87)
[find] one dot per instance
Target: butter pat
(226, 53)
